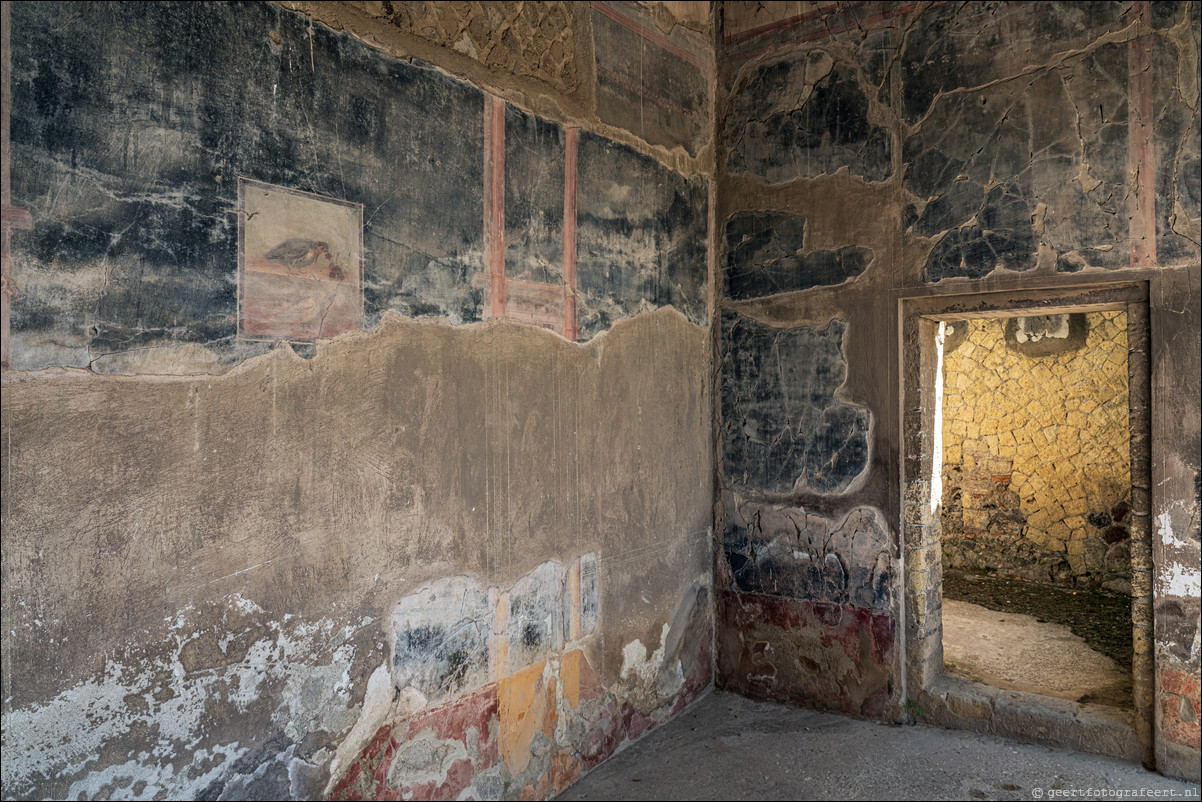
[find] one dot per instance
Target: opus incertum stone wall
(1036, 439)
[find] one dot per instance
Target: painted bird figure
(296, 253)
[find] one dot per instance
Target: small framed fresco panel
(300, 264)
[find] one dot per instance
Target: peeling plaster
(636, 661)
(797, 553)
(377, 700)
(1177, 578)
(531, 733)
(161, 709)
(1010, 138)
(131, 265)
(455, 634)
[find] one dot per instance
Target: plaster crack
(1055, 61)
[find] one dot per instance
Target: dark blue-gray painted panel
(1035, 162)
(131, 124)
(765, 255)
(805, 116)
(534, 173)
(782, 427)
(641, 237)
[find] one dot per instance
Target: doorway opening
(1026, 515)
(1036, 496)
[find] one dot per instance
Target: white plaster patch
(244, 604)
(425, 759)
(1182, 580)
(318, 697)
(135, 780)
(1176, 578)
(634, 654)
(671, 681)
(62, 736)
(162, 708)
(377, 700)
(635, 660)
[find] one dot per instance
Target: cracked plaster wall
(640, 72)
(203, 574)
(945, 214)
(231, 583)
(955, 148)
(128, 151)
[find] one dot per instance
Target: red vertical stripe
(652, 36)
(494, 201)
(569, 234)
(1141, 154)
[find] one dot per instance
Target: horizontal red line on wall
(788, 22)
(639, 89)
(741, 58)
(651, 36)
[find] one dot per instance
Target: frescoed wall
(873, 153)
(357, 442)
(557, 377)
(151, 141)
(300, 264)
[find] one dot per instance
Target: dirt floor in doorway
(1101, 618)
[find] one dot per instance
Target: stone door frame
(928, 693)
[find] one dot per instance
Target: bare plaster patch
(636, 662)
(161, 707)
(376, 703)
(1176, 578)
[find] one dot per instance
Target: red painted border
(788, 22)
(1141, 151)
(637, 88)
(741, 58)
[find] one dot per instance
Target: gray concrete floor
(728, 747)
(1019, 653)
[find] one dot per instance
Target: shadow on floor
(1038, 638)
(728, 747)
